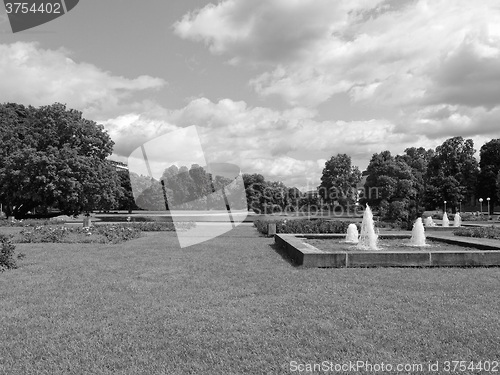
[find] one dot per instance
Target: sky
(276, 87)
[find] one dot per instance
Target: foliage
(126, 199)
(52, 156)
(158, 226)
(339, 179)
(29, 222)
(188, 189)
(152, 198)
(395, 186)
(452, 173)
(7, 256)
(479, 232)
(255, 186)
(94, 234)
(418, 160)
(471, 216)
(265, 197)
(303, 226)
(489, 175)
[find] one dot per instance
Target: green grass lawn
(232, 305)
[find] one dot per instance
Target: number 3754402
(24, 8)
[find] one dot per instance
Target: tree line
(53, 158)
(402, 186)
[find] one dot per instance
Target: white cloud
(36, 76)
(391, 53)
(289, 146)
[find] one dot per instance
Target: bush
(94, 234)
(473, 216)
(303, 226)
(479, 232)
(7, 258)
(29, 222)
(387, 225)
(158, 226)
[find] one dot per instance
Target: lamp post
(481, 204)
(460, 206)
(444, 207)
(488, 199)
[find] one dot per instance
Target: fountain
(418, 234)
(446, 221)
(368, 238)
(352, 234)
(429, 222)
(457, 221)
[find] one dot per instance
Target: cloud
(469, 75)
(392, 53)
(288, 145)
(36, 76)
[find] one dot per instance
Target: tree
(418, 160)
(489, 164)
(126, 200)
(452, 173)
(395, 185)
(339, 179)
(255, 186)
(152, 198)
(53, 157)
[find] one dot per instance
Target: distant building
(312, 194)
(119, 166)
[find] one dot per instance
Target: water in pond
(393, 245)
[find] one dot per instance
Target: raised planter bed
(306, 255)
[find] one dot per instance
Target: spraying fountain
(446, 221)
(368, 238)
(418, 234)
(429, 222)
(457, 221)
(352, 234)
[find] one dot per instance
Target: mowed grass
(232, 305)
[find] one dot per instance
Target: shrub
(7, 258)
(158, 226)
(29, 222)
(94, 234)
(302, 226)
(479, 232)
(473, 216)
(387, 225)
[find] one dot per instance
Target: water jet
(368, 238)
(352, 234)
(446, 221)
(418, 234)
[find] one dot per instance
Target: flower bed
(29, 222)
(65, 234)
(479, 232)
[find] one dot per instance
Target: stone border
(306, 255)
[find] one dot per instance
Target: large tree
(393, 188)
(53, 157)
(452, 173)
(418, 160)
(339, 179)
(489, 165)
